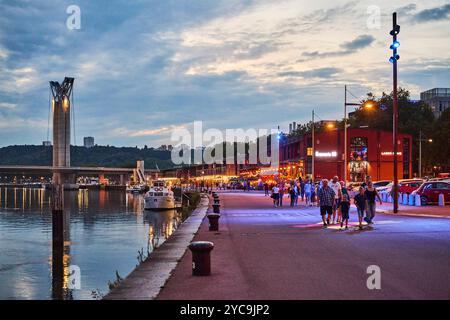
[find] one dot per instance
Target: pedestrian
(281, 194)
(326, 199)
(297, 191)
(360, 203)
(308, 192)
(371, 193)
(366, 182)
(266, 189)
(302, 189)
(336, 186)
(345, 210)
(292, 195)
(275, 195)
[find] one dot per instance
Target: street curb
(412, 214)
(146, 281)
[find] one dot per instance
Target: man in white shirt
(336, 186)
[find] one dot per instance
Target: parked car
(408, 186)
(381, 184)
(429, 192)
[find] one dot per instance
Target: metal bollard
(418, 201)
(216, 208)
(441, 200)
(213, 221)
(404, 198)
(201, 257)
(411, 200)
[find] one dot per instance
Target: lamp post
(420, 151)
(366, 105)
(312, 147)
(345, 131)
(394, 59)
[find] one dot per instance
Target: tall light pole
(394, 59)
(345, 131)
(420, 151)
(312, 147)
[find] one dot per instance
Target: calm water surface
(107, 232)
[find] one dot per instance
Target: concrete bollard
(201, 257)
(417, 201)
(216, 201)
(213, 221)
(441, 200)
(389, 198)
(216, 208)
(384, 196)
(411, 200)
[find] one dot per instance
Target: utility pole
(394, 59)
(420, 153)
(312, 147)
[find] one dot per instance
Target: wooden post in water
(57, 200)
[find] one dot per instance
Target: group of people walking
(332, 197)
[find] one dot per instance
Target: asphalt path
(262, 252)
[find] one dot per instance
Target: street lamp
(420, 151)
(367, 105)
(394, 60)
(329, 125)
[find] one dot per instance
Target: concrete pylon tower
(61, 121)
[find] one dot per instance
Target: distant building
(46, 143)
(88, 142)
(438, 99)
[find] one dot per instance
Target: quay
(262, 252)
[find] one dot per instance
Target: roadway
(262, 252)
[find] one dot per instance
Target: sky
(144, 68)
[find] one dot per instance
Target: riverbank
(146, 281)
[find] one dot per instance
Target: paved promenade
(262, 252)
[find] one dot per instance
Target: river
(107, 233)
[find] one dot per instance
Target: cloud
(5, 105)
(433, 14)
(315, 73)
(148, 132)
(349, 47)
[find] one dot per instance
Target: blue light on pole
(395, 45)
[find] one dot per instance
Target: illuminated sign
(329, 154)
(390, 153)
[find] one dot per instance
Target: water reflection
(104, 230)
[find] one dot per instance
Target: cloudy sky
(143, 68)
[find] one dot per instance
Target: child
(345, 208)
(360, 203)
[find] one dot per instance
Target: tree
(413, 117)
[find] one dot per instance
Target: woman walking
(275, 195)
(308, 192)
(371, 193)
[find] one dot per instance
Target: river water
(107, 233)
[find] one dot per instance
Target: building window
(358, 158)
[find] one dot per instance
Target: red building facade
(369, 152)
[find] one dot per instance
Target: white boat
(135, 189)
(159, 197)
